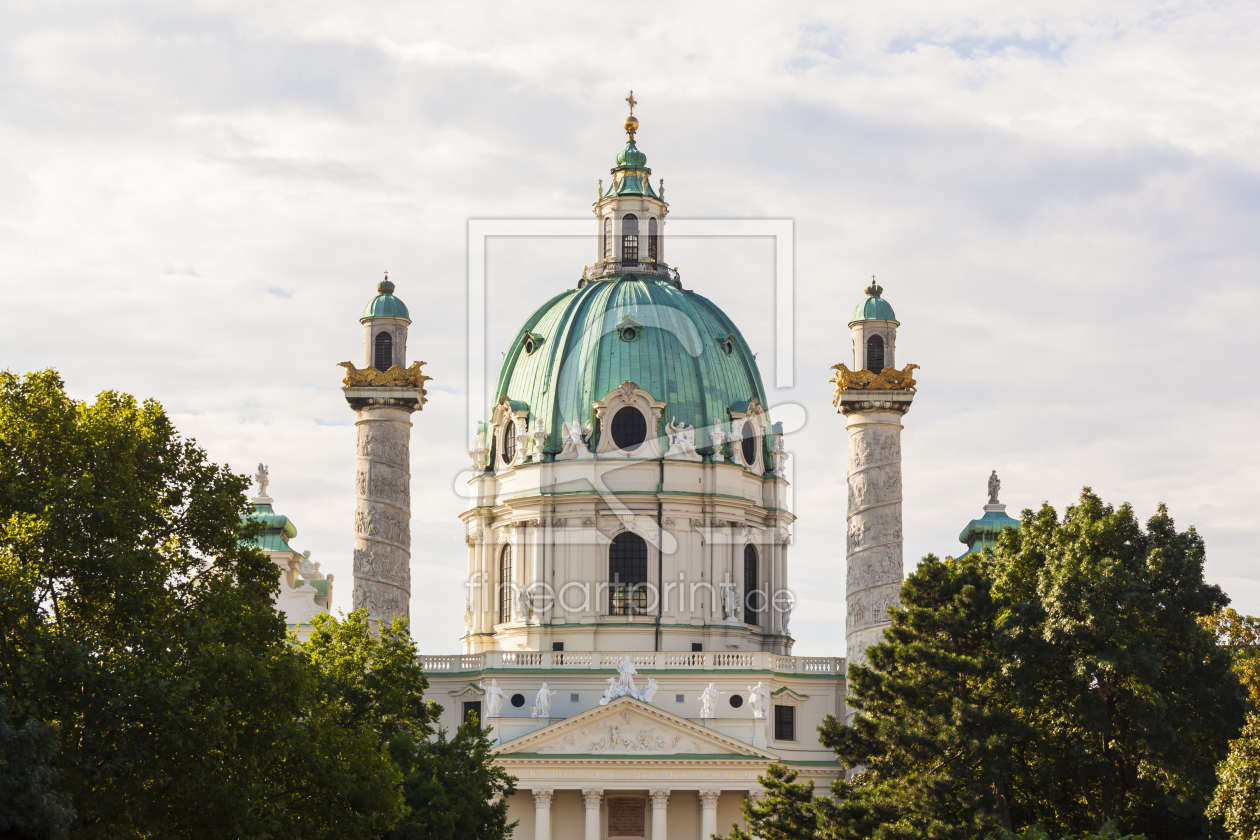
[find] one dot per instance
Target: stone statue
(715, 438)
(730, 601)
(468, 613)
(540, 438)
(307, 569)
(650, 691)
(542, 703)
(995, 486)
(610, 693)
(759, 700)
(494, 697)
(573, 438)
(708, 701)
(682, 440)
(787, 614)
(626, 674)
(523, 603)
(261, 479)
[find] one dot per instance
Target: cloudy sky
(1060, 199)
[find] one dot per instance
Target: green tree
(787, 811)
(136, 619)
(1101, 643)
(449, 784)
(31, 806)
(1237, 799)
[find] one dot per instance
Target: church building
(627, 630)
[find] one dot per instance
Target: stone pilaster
(382, 514)
(874, 538)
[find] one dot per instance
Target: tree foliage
(1237, 799)
(1061, 683)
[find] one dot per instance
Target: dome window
(629, 333)
(627, 575)
(383, 353)
(749, 445)
(505, 584)
(630, 238)
(529, 345)
(728, 346)
(653, 241)
(608, 238)
(509, 442)
(629, 429)
(875, 354)
(752, 598)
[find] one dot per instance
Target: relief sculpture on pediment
(625, 734)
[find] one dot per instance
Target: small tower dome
(385, 320)
(874, 330)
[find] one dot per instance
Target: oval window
(750, 446)
(509, 442)
(728, 346)
(529, 346)
(629, 429)
(629, 334)
(736, 701)
(518, 700)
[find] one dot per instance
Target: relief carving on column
(870, 608)
(871, 528)
(385, 523)
(385, 441)
(868, 446)
(874, 566)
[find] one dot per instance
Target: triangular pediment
(628, 728)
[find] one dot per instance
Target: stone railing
(607, 660)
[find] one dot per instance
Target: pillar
(542, 814)
(382, 512)
(592, 798)
(754, 799)
(708, 813)
(660, 813)
(873, 546)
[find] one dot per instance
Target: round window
(728, 346)
(529, 346)
(737, 700)
(629, 334)
(750, 446)
(518, 700)
(629, 429)
(509, 442)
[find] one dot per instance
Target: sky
(1060, 199)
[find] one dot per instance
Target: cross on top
(632, 102)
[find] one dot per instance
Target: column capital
(592, 798)
(542, 798)
(709, 798)
(660, 798)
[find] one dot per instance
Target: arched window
(509, 442)
(875, 354)
(627, 575)
(752, 598)
(749, 444)
(629, 429)
(608, 238)
(505, 584)
(383, 354)
(653, 240)
(630, 238)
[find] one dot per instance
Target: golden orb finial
(631, 124)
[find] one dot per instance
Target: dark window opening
(472, 712)
(629, 429)
(505, 584)
(629, 334)
(557, 646)
(608, 237)
(875, 354)
(749, 444)
(509, 442)
(630, 239)
(627, 575)
(752, 598)
(785, 723)
(696, 647)
(654, 248)
(529, 346)
(384, 352)
(736, 701)
(518, 700)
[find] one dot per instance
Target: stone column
(382, 514)
(660, 812)
(542, 814)
(755, 797)
(708, 812)
(873, 549)
(592, 799)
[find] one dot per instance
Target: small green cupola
(385, 320)
(984, 532)
(873, 307)
(874, 331)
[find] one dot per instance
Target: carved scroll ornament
(395, 377)
(890, 379)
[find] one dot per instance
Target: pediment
(629, 728)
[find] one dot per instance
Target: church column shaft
(382, 515)
(542, 814)
(873, 554)
(708, 812)
(660, 813)
(592, 799)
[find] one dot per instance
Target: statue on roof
(995, 486)
(261, 479)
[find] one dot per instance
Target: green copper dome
(984, 532)
(631, 156)
(385, 305)
(631, 175)
(673, 343)
(874, 307)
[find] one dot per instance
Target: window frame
(630, 238)
(625, 596)
(506, 576)
(383, 340)
(752, 615)
(787, 707)
(875, 339)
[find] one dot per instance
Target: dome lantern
(385, 320)
(874, 330)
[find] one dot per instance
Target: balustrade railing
(643, 661)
